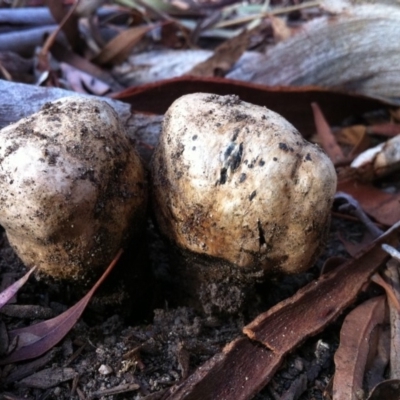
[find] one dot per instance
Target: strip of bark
(321, 301)
(244, 366)
(240, 371)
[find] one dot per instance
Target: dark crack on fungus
(223, 176)
(261, 234)
(253, 194)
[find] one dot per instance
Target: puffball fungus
(72, 187)
(240, 194)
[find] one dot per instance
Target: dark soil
(143, 344)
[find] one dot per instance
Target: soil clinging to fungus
(73, 189)
(240, 194)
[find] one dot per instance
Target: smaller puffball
(73, 189)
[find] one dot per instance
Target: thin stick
(278, 11)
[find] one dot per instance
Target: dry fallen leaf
(280, 29)
(355, 341)
(224, 56)
(328, 140)
(35, 340)
(377, 368)
(386, 390)
(118, 48)
(81, 82)
(48, 378)
(382, 206)
(292, 103)
(392, 274)
(8, 294)
(380, 160)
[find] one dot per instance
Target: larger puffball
(73, 189)
(237, 182)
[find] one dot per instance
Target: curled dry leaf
(355, 341)
(82, 82)
(392, 274)
(224, 56)
(328, 140)
(382, 206)
(8, 294)
(118, 48)
(388, 129)
(48, 378)
(386, 390)
(35, 340)
(379, 160)
(356, 136)
(378, 366)
(280, 29)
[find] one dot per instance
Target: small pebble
(105, 369)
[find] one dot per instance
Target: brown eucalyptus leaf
(354, 248)
(331, 263)
(225, 55)
(8, 294)
(388, 129)
(383, 206)
(292, 103)
(70, 27)
(48, 378)
(351, 135)
(35, 340)
(4, 342)
(376, 371)
(327, 138)
(393, 278)
(386, 390)
(380, 160)
(118, 48)
(280, 29)
(351, 356)
(26, 369)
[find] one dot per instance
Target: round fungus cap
(72, 187)
(237, 183)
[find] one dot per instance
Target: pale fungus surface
(238, 184)
(73, 189)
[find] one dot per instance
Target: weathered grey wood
(18, 100)
(358, 51)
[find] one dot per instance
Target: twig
(394, 253)
(353, 208)
(277, 11)
(51, 39)
(129, 387)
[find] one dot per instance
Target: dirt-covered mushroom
(240, 194)
(73, 189)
